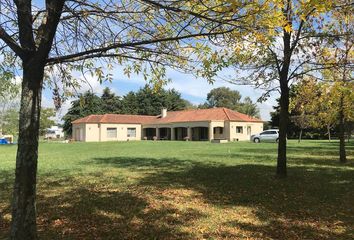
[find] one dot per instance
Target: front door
(249, 133)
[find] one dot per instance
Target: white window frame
(112, 135)
(129, 134)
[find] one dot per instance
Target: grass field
(187, 190)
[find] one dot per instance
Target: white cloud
(192, 88)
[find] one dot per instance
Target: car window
(264, 133)
(272, 132)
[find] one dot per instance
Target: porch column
(211, 132)
(158, 133)
(173, 134)
(189, 133)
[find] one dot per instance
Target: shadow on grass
(320, 155)
(6, 188)
(86, 213)
(70, 209)
(312, 203)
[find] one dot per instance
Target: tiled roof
(211, 114)
(194, 115)
(115, 118)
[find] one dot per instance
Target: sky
(191, 88)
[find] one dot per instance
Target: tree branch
(24, 14)
(129, 44)
(10, 42)
(48, 28)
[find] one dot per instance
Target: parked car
(271, 135)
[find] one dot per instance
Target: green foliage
(8, 88)
(110, 102)
(87, 103)
(10, 122)
(225, 97)
(46, 120)
(249, 107)
(147, 101)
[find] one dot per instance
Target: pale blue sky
(193, 89)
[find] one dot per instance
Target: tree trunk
(283, 126)
(300, 135)
(24, 197)
(329, 132)
(284, 102)
(342, 153)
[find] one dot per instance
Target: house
(195, 125)
(54, 132)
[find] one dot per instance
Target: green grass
(187, 190)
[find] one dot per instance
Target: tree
(280, 49)
(110, 102)
(10, 122)
(304, 104)
(147, 101)
(87, 104)
(46, 120)
(225, 97)
(9, 98)
(130, 103)
(249, 107)
(339, 52)
(292, 129)
(65, 35)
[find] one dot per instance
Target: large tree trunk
(24, 196)
(342, 153)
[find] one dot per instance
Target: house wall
(92, 132)
(217, 134)
(245, 135)
(98, 132)
(122, 131)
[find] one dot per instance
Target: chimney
(163, 112)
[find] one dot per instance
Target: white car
(271, 135)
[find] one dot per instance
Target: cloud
(192, 88)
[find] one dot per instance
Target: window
(111, 132)
(218, 130)
(268, 133)
(131, 132)
(239, 129)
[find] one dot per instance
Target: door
(249, 133)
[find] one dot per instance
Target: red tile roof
(115, 118)
(194, 115)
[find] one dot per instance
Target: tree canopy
(228, 98)
(145, 101)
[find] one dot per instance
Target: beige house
(195, 125)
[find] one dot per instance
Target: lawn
(187, 190)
